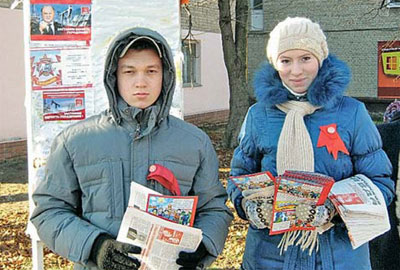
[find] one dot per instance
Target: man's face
(48, 14)
(139, 77)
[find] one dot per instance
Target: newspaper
(161, 240)
(139, 196)
(362, 207)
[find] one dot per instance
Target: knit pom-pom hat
(297, 33)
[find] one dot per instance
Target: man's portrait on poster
(60, 20)
(47, 25)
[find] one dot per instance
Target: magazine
(292, 190)
(252, 182)
(284, 203)
(178, 209)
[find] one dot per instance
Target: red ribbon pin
(330, 138)
(165, 177)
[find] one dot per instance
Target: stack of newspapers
(160, 234)
(362, 207)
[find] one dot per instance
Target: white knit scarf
(295, 152)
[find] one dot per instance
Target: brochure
(178, 209)
(294, 189)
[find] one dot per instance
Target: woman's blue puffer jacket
(257, 152)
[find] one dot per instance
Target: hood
(110, 80)
(325, 91)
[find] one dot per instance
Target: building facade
(206, 90)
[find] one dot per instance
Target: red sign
(389, 69)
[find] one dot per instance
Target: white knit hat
(297, 33)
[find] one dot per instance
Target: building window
(191, 63)
(393, 3)
(391, 63)
(257, 15)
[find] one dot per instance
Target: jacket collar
(325, 91)
(142, 120)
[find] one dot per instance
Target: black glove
(191, 260)
(108, 253)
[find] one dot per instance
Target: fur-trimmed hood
(326, 89)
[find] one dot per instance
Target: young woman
(300, 96)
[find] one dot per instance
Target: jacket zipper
(137, 131)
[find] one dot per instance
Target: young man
(81, 202)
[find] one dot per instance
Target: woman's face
(297, 69)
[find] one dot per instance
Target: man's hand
(43, 26)
(191, 260)
(108, 253)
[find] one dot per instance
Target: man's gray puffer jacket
(88, 174)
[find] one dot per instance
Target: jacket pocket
(102, 186)
(117, 189)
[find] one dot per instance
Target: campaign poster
(60, 20)
(63, 106)
(60, 68)
(389, 69)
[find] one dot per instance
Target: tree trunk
(235, 56)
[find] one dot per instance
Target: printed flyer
(60, 68)
(60, 20)
(63, 106)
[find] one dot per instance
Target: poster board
(389, 69)
(64, 68)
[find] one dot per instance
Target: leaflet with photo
(178, 209)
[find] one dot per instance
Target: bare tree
(234, 32)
